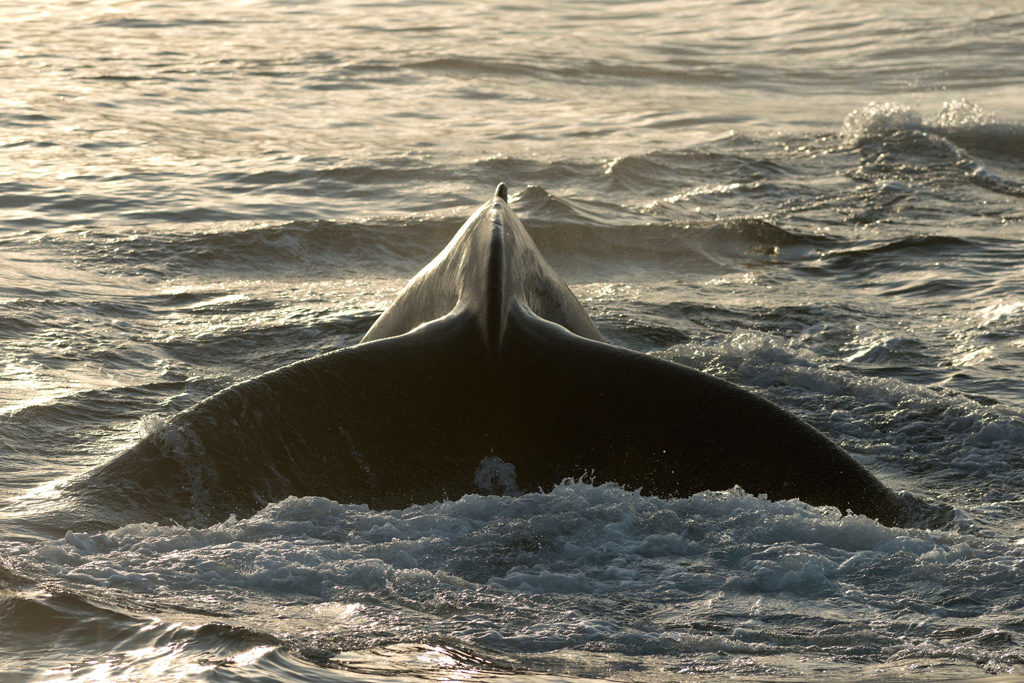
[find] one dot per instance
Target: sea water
(822, 202)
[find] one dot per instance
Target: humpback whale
(485, 356)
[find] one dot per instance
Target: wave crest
(959, 120)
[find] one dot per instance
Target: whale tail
(485, 353)
(408, 419)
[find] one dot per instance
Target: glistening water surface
(821, 202)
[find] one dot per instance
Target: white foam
(961, 114)
(879, 118)
(596, 562)
(957, 118)
(494, 475)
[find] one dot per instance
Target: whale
(486, 374)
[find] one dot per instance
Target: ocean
(820, 202)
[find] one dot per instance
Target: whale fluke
(486, 353)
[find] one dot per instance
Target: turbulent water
(822, 202)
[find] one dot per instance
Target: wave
(589, 70)
(959, 121)
(571, 233)
(477, 574)
(361, 178)
(896, 253)
(61, 632)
